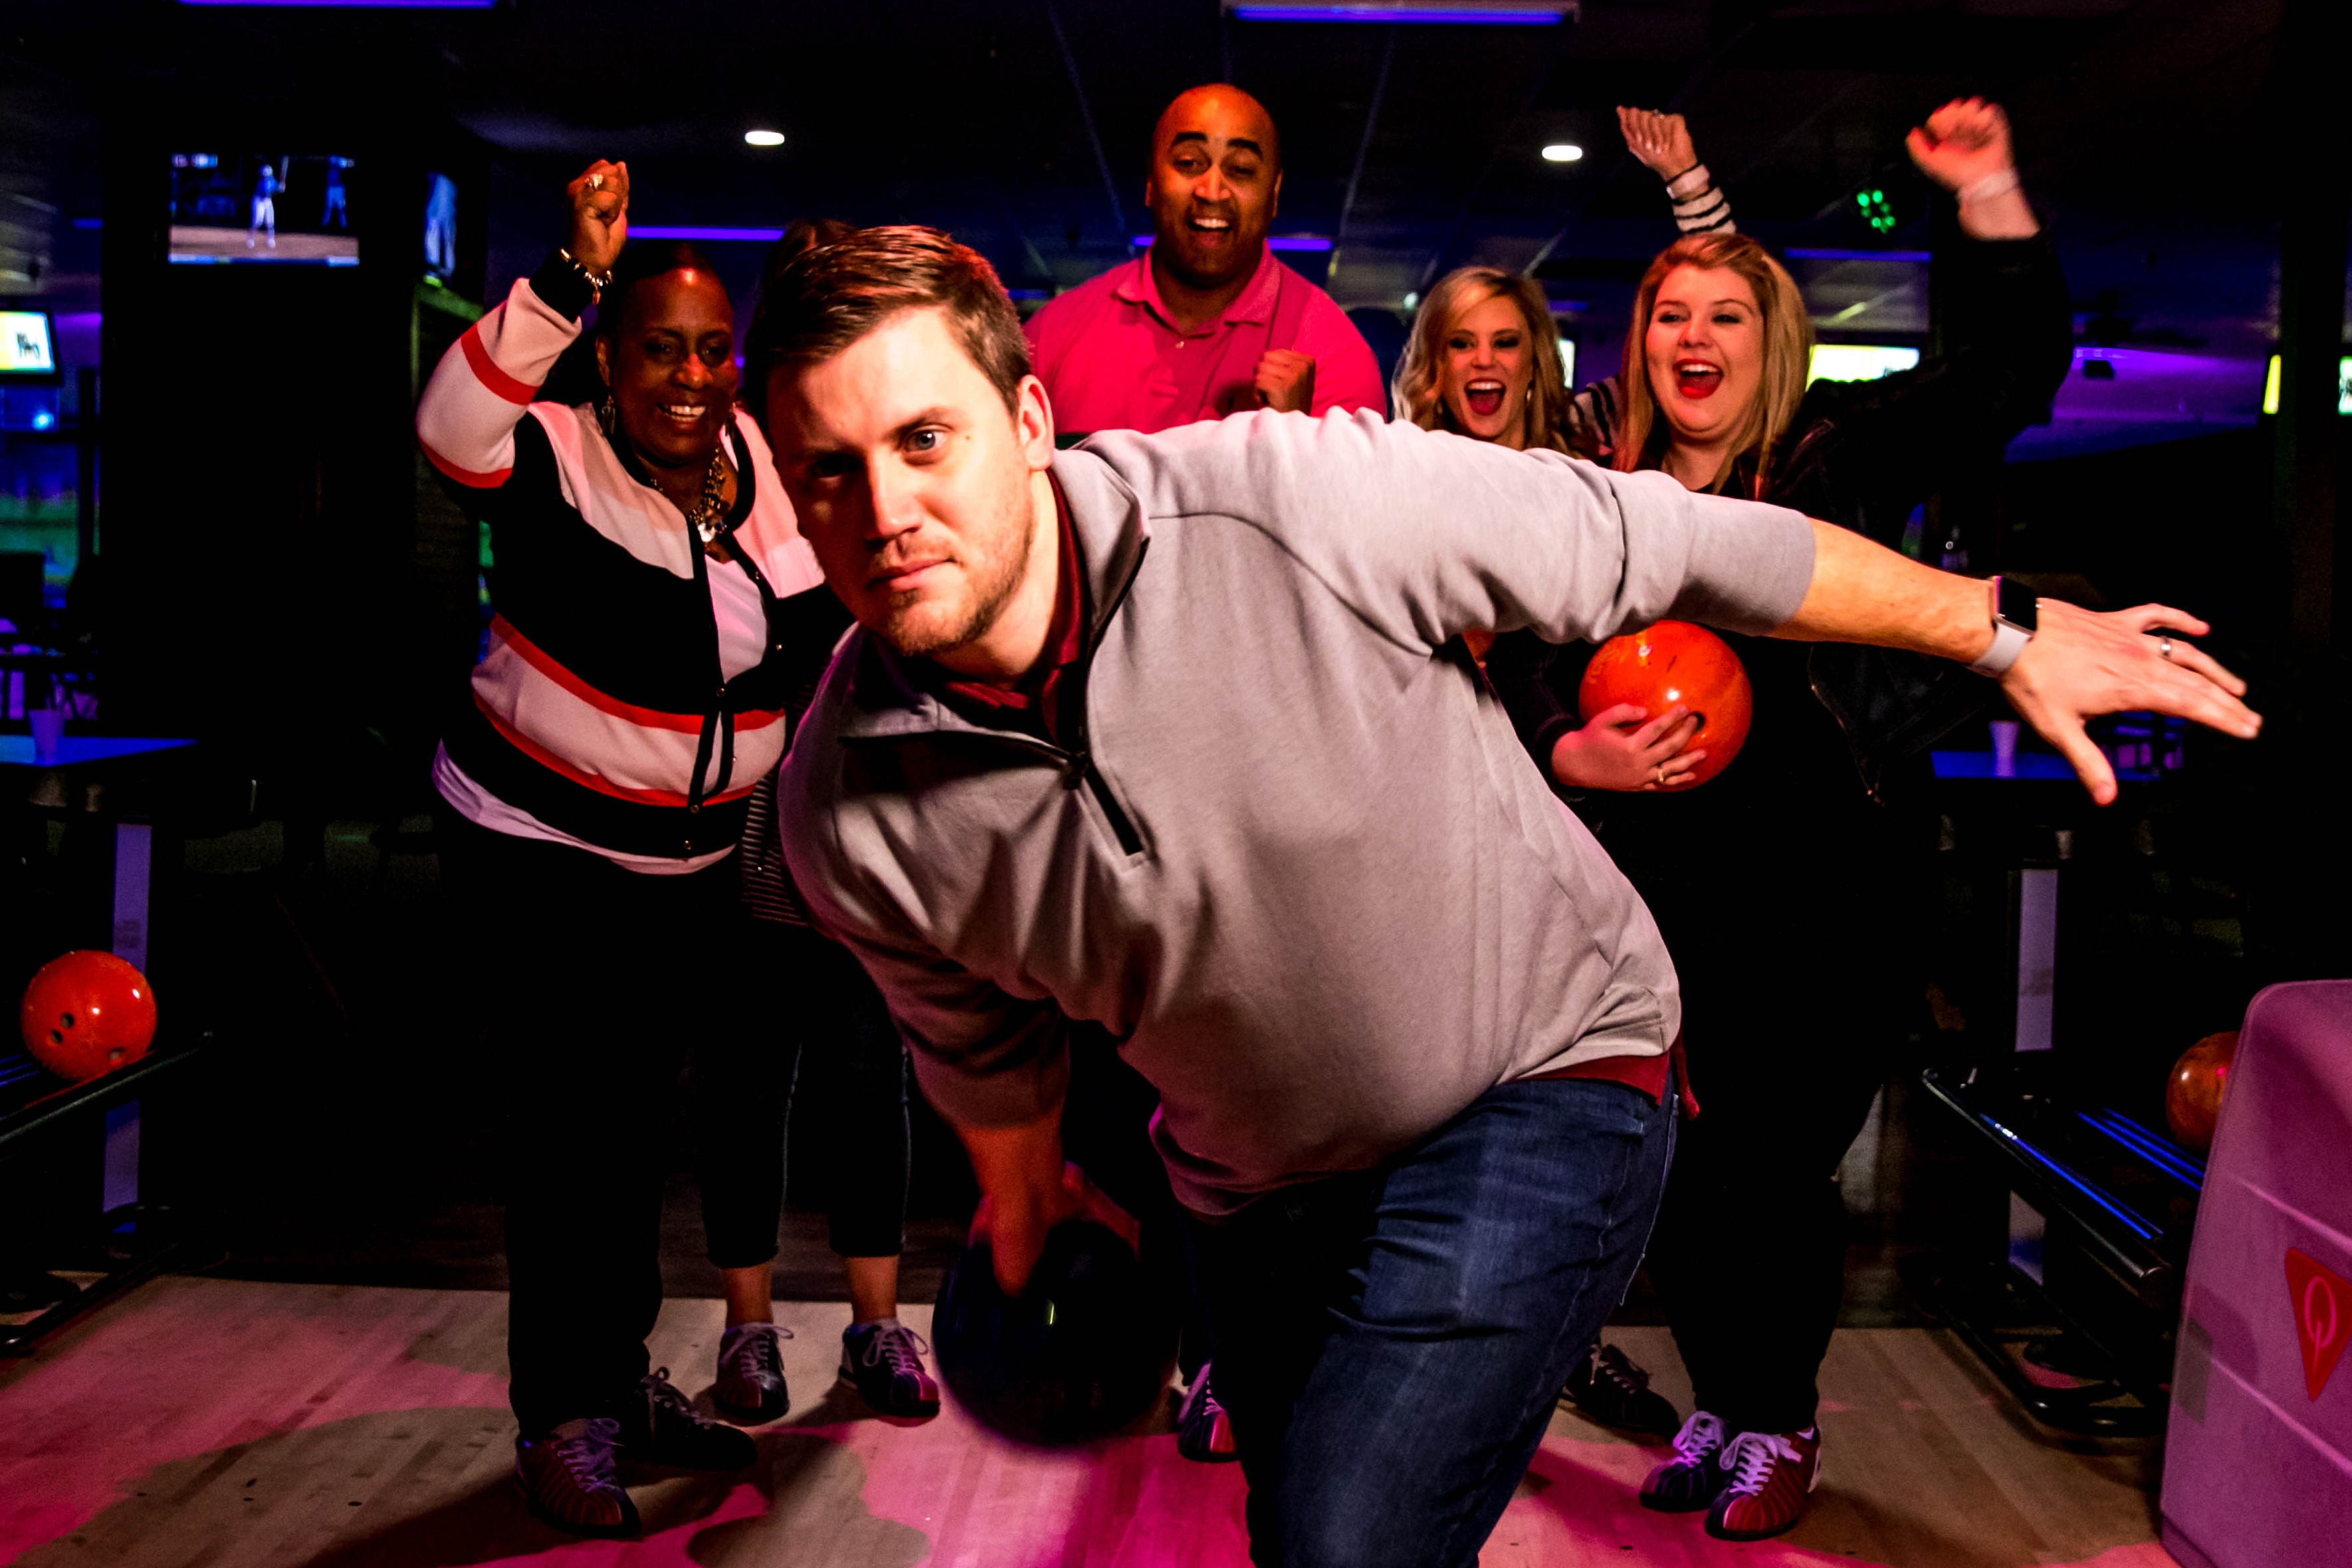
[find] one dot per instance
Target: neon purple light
(1274, 242)
(696, 232)
(1426, 16)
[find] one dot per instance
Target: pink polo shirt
(1110, 359)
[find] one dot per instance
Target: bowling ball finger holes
(65, 1020)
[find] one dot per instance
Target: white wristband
(2008, 640)
(1690, 182)
(1999, 183)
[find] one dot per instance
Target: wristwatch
(2013, 622)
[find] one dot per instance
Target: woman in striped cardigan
(657, 607)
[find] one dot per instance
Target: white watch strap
(2008, 640)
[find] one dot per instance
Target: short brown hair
(1413, 393)
(1788, 356)
(831, 295)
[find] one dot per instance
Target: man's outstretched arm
(2079, 663)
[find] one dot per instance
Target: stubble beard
(993, 577)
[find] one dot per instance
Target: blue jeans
(1390, 1343)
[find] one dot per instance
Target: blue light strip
(699, 232)
(2165, 1156)
(2139, 1227)
(1274, 242)
(1915, 257)
(1430, 17)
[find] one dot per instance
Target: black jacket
(1860, 455)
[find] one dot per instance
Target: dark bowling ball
(1082, 1351)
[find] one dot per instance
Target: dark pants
(1389, 1344)
(827, 1033)
(595, 986)
(1789, 1012)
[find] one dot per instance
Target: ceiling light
(1562, 152)
(764, 137)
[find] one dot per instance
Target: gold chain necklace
(705, 513)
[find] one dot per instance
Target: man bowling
(1206, 322)
(1164, 733)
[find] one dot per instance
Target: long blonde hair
(1641, 435)
(1413, 392)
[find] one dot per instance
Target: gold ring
(1662, 775)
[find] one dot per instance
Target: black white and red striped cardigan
(601, 709)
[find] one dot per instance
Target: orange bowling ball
(1676, 661)
(87, 1013)
(2192, 1097)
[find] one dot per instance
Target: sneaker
(751, 1388)
(1770, 1476)
(1203, 1431)
(662, 1426)
(1610, 1389)
(884, 1360)
(569, 1479)
(1689, 1481)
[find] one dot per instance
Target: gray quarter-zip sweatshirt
(1296, 862)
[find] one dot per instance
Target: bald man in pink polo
(1206, 322)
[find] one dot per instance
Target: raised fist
(600, 214)
(1285, 378)
(1962, 142)
(1661, 142)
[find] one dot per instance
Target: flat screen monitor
(28, 347)
(440, 225)
(263, 209)
(1568, 362)
(1858, 362)
(2343, 385)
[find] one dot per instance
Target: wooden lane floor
(203, 1422)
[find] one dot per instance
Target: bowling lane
(332, 1427)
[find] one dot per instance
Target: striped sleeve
(466, 420)
(1699, 207)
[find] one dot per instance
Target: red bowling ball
(1676, 661)
(2192, 1096)
(87, 1013)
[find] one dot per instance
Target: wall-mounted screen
(28, 347)
(276, 209)
(2343, 386)
(1858, 362)
(440, 225)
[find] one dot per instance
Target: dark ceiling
(1021, 124)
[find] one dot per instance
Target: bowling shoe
(570, 1480)
(1203, 1431)
(1689, 1481)
(751, 1388)
(661, 1427)
(1608, 1386)
(884, 1360)
(1771, 1478)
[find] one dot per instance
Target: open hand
(600, 214)
(1616, 750)
(1016, 1228)
(1962, 142)
(1661, 142)
(1285, 378)
(2081, 663)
